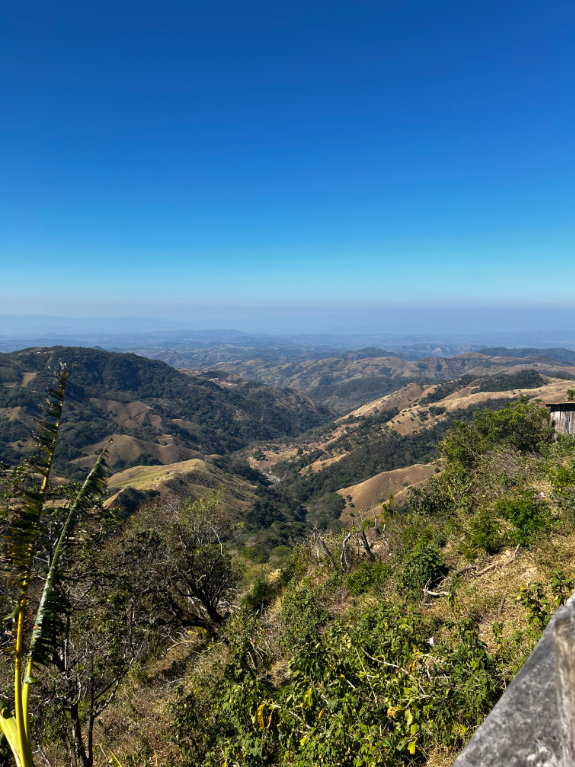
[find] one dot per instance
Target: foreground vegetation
(385, 644)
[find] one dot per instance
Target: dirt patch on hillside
(272, 456)
(321, 463)
(14, 414)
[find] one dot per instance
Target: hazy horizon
(520, 326)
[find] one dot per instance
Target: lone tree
(190, 573)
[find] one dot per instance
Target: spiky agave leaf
(48, 626)
(23, 527)
(48, 429)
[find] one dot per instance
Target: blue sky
(178, 158)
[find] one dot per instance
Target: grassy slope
(371, 492)
(368, 454)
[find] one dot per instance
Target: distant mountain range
(565, 355)
(347, 381)
(186, 346)
(190, 431)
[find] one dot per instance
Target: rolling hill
(269, 523)
(154, 413)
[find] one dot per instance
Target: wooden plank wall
(563, 421)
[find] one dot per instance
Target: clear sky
(172, 158)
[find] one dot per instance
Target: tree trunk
(367, 547)
(84, 758)
(344, 560)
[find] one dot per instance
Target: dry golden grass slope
(365, 495)
(412, 417)
(409, 418)
(195, 478)
(369, 494)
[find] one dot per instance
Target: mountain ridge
(149, 408)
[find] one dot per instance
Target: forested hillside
(154, 413)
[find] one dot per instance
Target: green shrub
(520, 425)
(527, 514)
(484, 532)
(302, 617)
(257, 553)
(258, 596)
(562, 476)
(421, 566)
(333, 582)
(366, 576)
(279, 555)
(431, 502)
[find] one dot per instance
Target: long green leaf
(48, 624)
(23, 529)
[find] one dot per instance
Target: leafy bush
(527, 514)
(258, 596)
(432, 502)
(257, 553)
(420, 566)
(369, 691)
(561, 477)
(484, 532)
(366, 576)
(521, 425)
(302, 617)
(280, 555)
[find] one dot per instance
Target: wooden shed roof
(561, 405)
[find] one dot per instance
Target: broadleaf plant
(37, 638)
